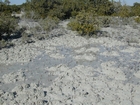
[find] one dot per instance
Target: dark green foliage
(85, 23)
(124, 11)
(104, 8)
(7, 23)
(136, 12)
(7, 26)
(64, 9)
(8, 9)
(136, 9)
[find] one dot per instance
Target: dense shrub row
(87, 16)
(64, 9)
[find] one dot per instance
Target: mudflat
(73, 70)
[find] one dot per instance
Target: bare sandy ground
(73, 70)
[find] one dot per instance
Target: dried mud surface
(73, 70)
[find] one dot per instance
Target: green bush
(64, 9)
(85, 23)
(7, 26)
(57, 12)
(124, 11)
(137, 19)
(136, 9)
(104, 21)
(48, 23)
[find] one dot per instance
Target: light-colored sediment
(72, 70)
